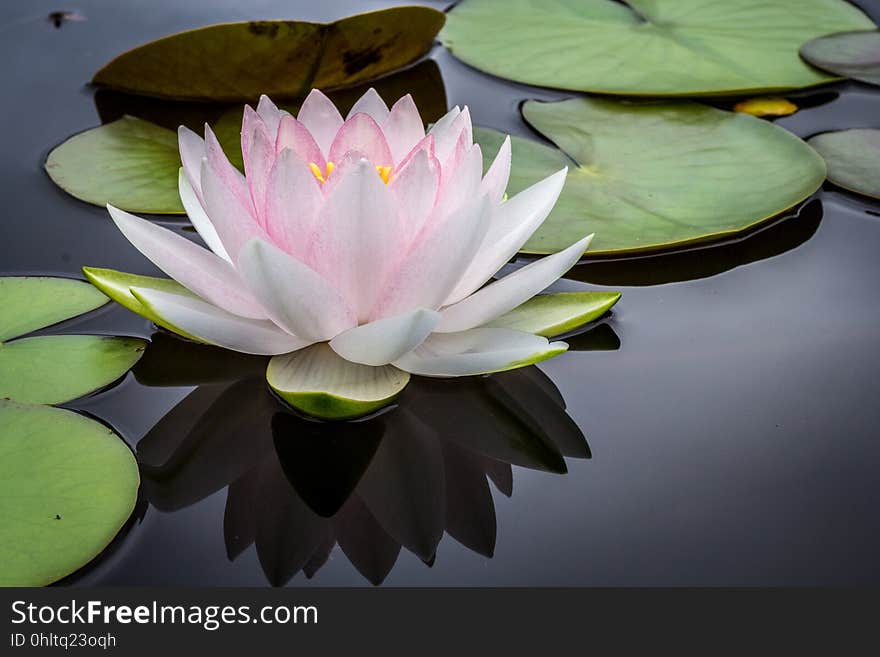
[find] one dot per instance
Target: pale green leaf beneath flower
(318, 382)
(557, 313)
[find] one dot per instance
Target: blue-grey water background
(734, 432)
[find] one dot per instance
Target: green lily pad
(555, 314)
(319, 383)
(129, 163)
(28, 303)
(648, 176)
(854, 55)
(117, 285)
(54, 369)
(240, 61)
(648, 47)
(67, 486)
(853, 159)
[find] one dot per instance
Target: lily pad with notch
(646, 176)
(648, 47)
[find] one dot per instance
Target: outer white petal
(197, 269)
(296, 297)
(216, 326)
(513, 223)
(320, 116)
(370, 103)
(507, 293)
(385, 340)
(478, 351)
(198, 217)
(192, 152)
(232, 220)
(442, 125)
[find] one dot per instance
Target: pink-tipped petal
(234, 223)
(361, 133)
(359, 237)
(432, 267)
(426, 144)
(293, 199)
(415, 190)
(370, 103)
(257, 164)
(270, 114)
(294, 135)
(223, 169)
(443, 124)
(197, 216)
(197, 269)
(192, 152)
(509, 292)
(320, 116)
(403, 128)
(296, 297)
(495, 181)
(385, 340)
(218, 327)
(513, 222)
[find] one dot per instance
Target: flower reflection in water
(298, 487)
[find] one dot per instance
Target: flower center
(384, 172)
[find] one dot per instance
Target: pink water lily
(365, 233)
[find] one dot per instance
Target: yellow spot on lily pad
(766, 106)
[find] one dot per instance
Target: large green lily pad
(853, 159)
(647, 176)
(57, 368)
(648, 47)
(67, 486)
(129, 163)
(853, 55)
(240, 61)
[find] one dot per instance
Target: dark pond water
(728, 404)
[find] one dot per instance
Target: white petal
(478, 351)
(442, 125)
(513, 223)
(434, 264)
(415, 190)
(370, 103)
(320, 116)
(385, 340)
(197, 216)
(197, 269)
(296, 297)
(495, 181)
(192, 152)
(215, 326)
(507, 293)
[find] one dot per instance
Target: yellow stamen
(384, 172)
